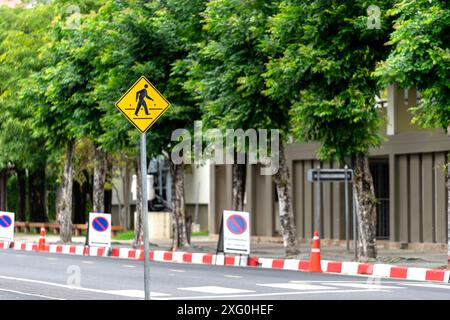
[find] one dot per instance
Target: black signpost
(334, 175)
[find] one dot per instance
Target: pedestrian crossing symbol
(142, 104)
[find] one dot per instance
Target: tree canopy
(420, 57)
(322, 58)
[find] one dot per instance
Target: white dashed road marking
(30, 294)
(295, 286)
(255, 295)
(364, 286)
(216, 290)
(123, 293)
(429, 285)
(139, 294)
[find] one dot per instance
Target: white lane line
(158, 294)
(384, 281)
(232, 276)
(112, 292)
(30, 294)
(428, 285)
(215, 290)
(177, 270)
(365, 286)
(329, 281)
(295, 286)
(52, 259)
(128, 266)
(137, 293)
(87, 262)
(232, 296)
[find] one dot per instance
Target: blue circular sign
(5, 221)
(236, 224)
(100, 224)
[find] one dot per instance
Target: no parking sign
(6, 226)
(99, 229)
(236, 232)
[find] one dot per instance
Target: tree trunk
(3, 191)
(366, 209)
(124, 215)
(287, 223)
(179, 239)
(22, 192)
(100, 168)
(37, 195)
(448, 210)
(138, 228)
(79, 203)
(239, 172)
(65, 205)
(119, 205)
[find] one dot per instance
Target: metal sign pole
(145, 215)
(143, 89)
(318, 202)
(346, 211)
(355, 236)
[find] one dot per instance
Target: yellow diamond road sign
(142, 104)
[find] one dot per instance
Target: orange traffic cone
(42, 238)
(314, 261)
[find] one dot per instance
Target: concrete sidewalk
(268, 249)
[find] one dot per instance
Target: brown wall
(417, 193)
(421, 202)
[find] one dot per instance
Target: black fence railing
(383, 218)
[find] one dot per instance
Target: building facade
(408, 175)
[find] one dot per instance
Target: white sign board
(236, 232)
(99, 229)
(6, 226)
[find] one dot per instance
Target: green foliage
(227, 68)
(142, 38)
(322, 57)
(22, 33)
(420, 57)
(59, 81)
(305, 67)
(124, 235)
(66, 111)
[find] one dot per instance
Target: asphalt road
(30, 275)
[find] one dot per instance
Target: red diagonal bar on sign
(237, 224)
(100, 224)
(104, 227)
(4, 220)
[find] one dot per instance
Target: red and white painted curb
(185, 257)
(57, 248)
(358, 268)
(347, 268)
(335, 267)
